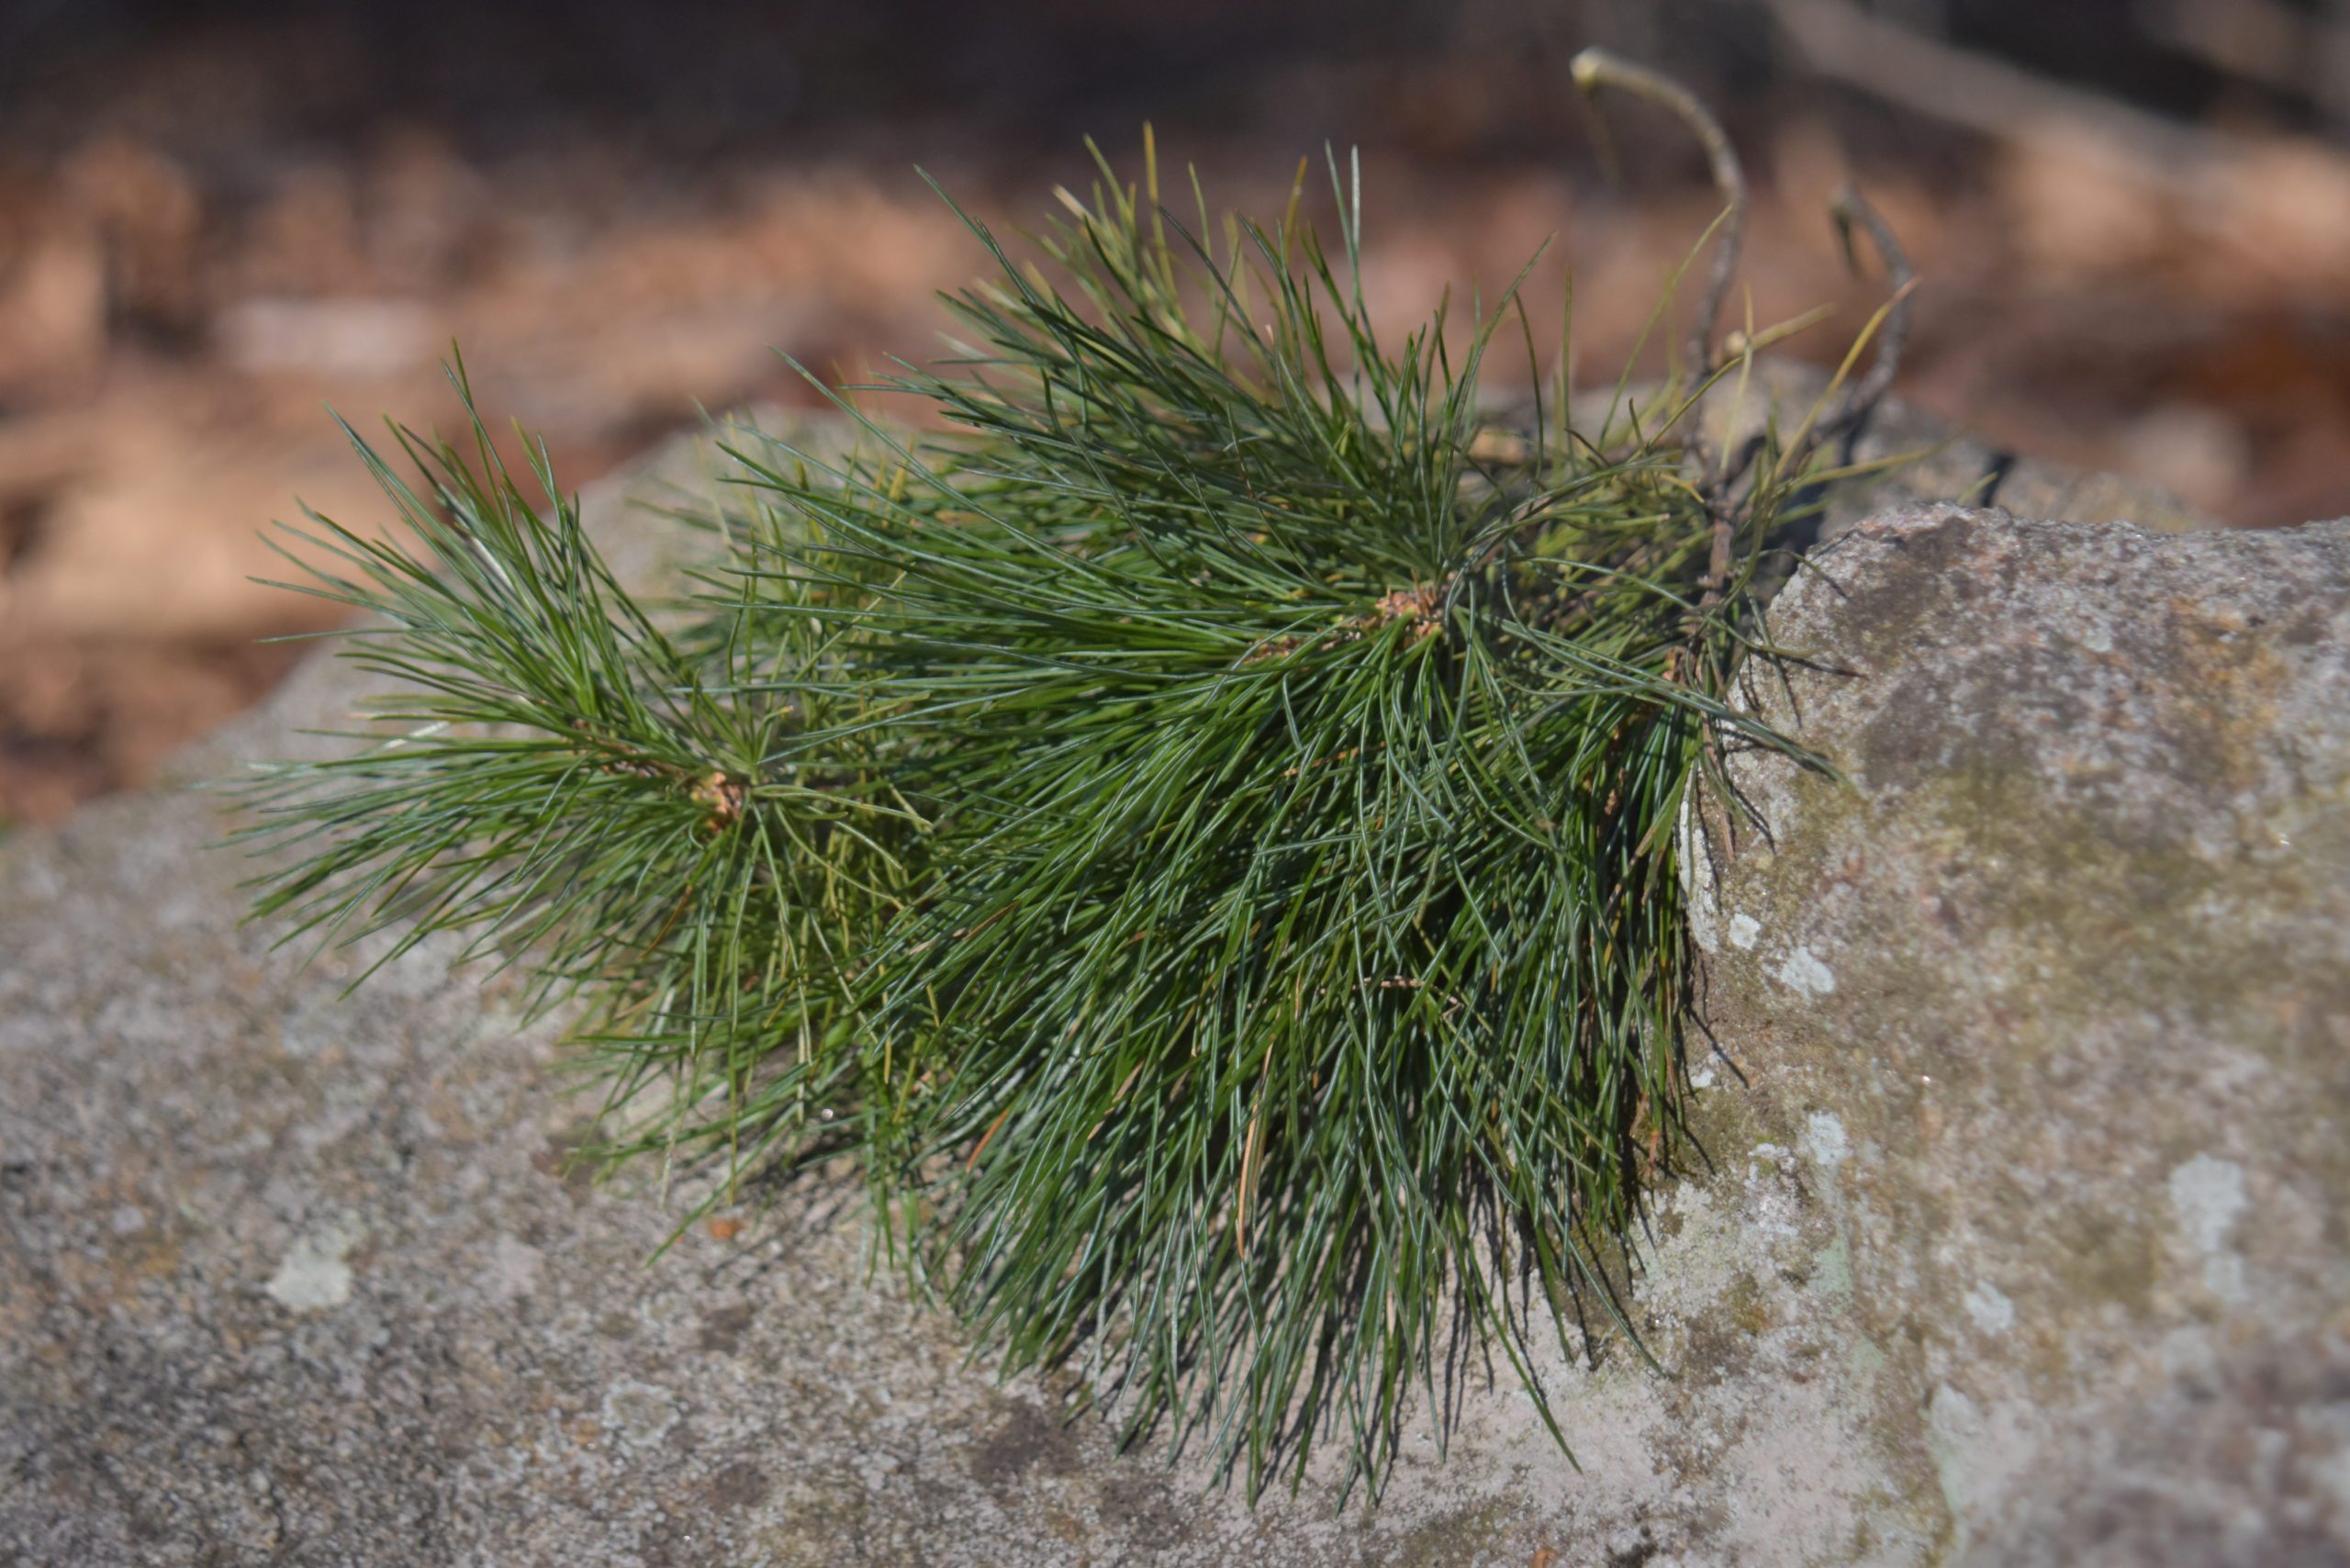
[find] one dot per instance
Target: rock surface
(2025, 1241)
(2053, 991)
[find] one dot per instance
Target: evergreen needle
(1203, 833)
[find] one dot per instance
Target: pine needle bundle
(1202, 834)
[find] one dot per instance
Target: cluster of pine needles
(1202, 834)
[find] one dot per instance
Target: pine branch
(557, 779)
(1203, 833)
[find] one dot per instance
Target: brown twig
(2195, 164)
(1851, 210)
(1597, 68)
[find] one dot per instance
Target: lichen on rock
(2083, 884)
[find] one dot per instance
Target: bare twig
(1597, 68)
(2011, 104)
(1847, 211)
(2267, 41)
(2217, 184)
(1718, 560)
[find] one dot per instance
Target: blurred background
(2131, 219)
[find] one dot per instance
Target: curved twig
(1597, 68)
(1849, 211)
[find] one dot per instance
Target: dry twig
(1597, 68)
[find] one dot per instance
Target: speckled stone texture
(2023, 1239)
(2055, 984)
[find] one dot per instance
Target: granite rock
(2052, 989)
(2021, 1238)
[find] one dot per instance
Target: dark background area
(2131, 219)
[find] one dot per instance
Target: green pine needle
(1203, 833)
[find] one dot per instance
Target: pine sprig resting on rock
(1204, 834)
